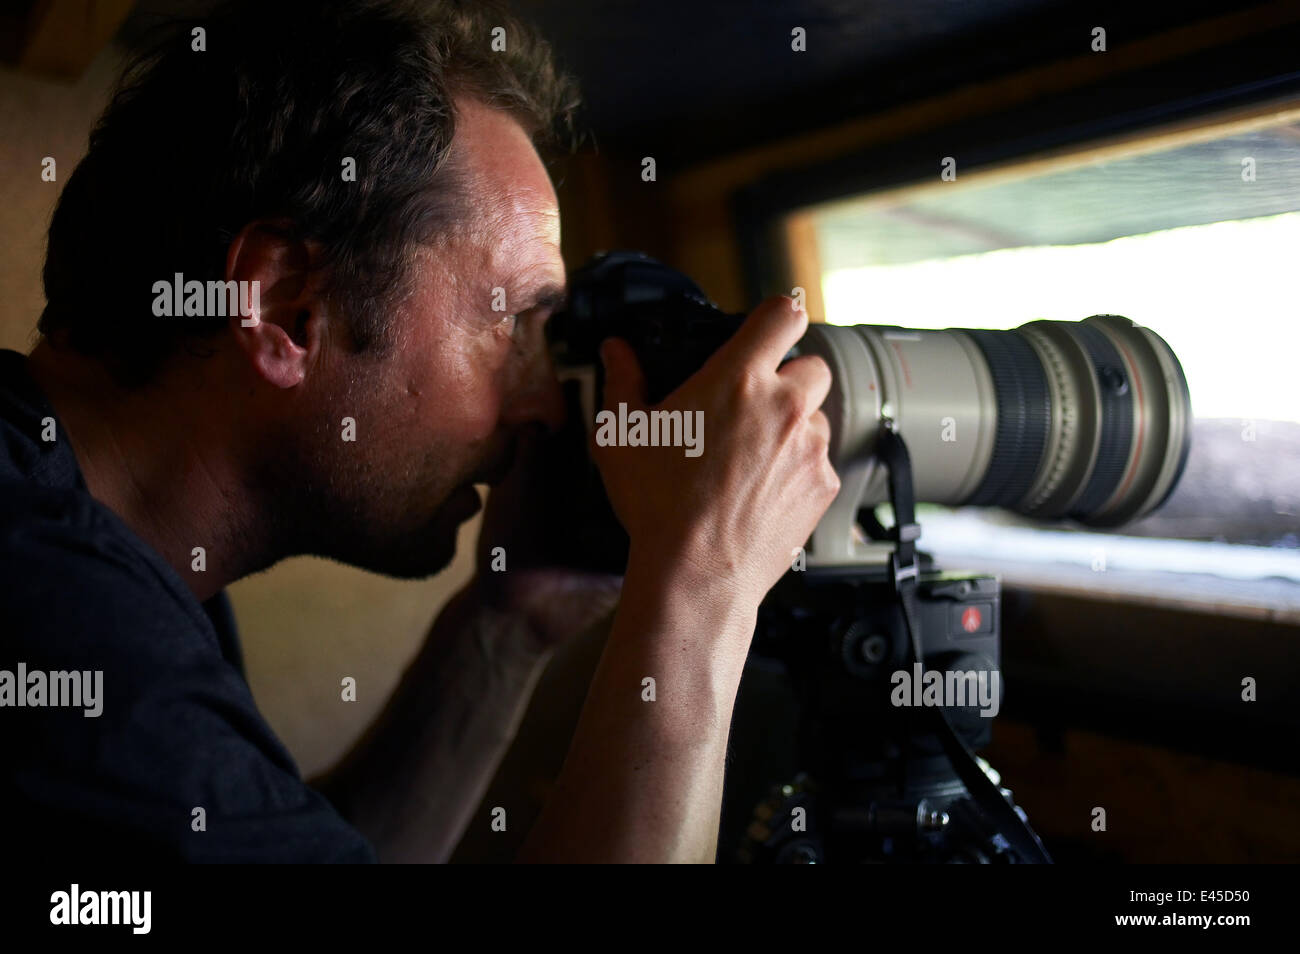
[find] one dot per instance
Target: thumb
(624, 379)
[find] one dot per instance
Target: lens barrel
(1088, 420)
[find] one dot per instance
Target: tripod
(876, 778)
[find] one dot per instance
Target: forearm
(643, 779)
(414, 781)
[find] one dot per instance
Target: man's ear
(280, 324)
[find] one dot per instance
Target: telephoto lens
(1089, 420)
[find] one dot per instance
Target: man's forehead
(514, 213)
(499, 162)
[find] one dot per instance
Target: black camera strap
(904, 574)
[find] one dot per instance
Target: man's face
(443, 409)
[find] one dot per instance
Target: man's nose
(538, 397)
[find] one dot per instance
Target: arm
(643, 780)
(413, 782)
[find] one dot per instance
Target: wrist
(681, 594)
(681, 575)
(507, 629)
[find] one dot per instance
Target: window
(1198, 241)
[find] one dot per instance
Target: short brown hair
(194, 145)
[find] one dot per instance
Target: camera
(874, 675)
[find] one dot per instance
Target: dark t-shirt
(178, 729)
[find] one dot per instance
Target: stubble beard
(327, 497)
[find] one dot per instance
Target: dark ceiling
(687, 79)
(691, 79)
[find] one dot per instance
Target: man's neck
(161, 460)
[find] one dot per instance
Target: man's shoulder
(48, 520)
(68, 564)
(163, 754)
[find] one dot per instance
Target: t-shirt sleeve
(166, 756)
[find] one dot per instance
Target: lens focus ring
(1064, 437)
(1024, 417)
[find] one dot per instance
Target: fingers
(820, 425)
(624, 379)
(771, 330)
(810, 377)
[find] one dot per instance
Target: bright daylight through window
(1197, 242)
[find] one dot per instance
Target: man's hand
(527, 526)
(764, 479)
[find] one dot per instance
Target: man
(370, 170)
